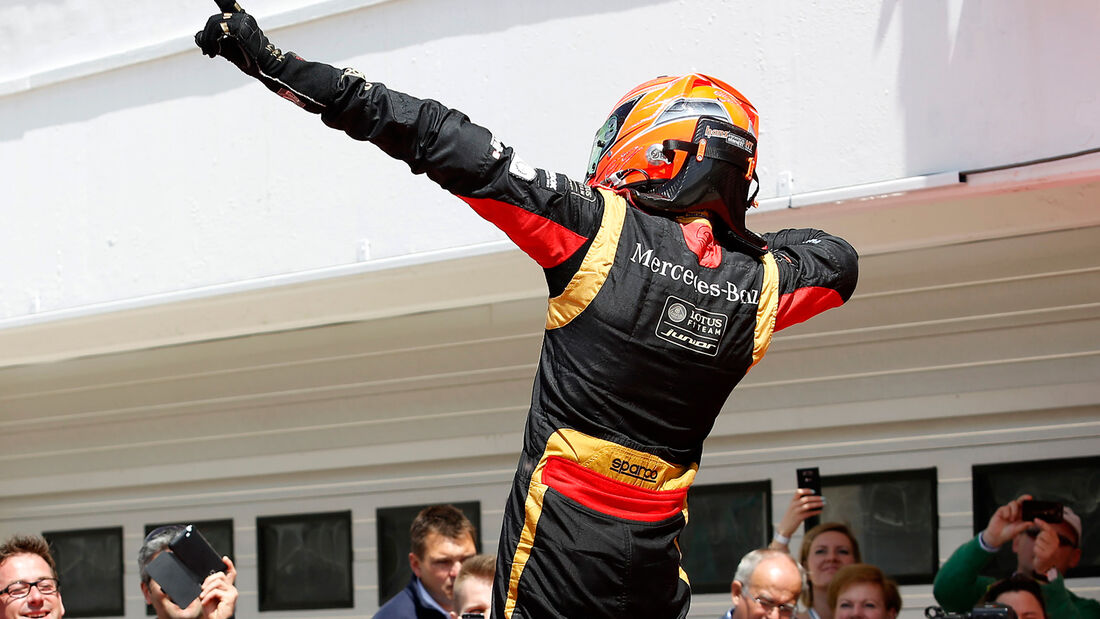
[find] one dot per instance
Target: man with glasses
(217, 600)
(28, 580)
(1044, 551)
(766, 586)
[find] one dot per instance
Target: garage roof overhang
(896, 216)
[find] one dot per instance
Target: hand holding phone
(1047, 511)
(196, 553)
(181, 569)
(810, 478)
(174, 579)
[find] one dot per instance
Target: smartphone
(810, 478)
(196, 553)
(1050, 511)
(177, 582)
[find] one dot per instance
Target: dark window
(304, 561)
(894, 517)
(394, 545)
(726, 521)
(218, 532)
(1071, 481)
(89, 566)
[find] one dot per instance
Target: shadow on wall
(985, 83)
(381, 28)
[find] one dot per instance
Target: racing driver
(660, 300)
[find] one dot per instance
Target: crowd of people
(1044, 551)
(450, 581)
(31, 589)
(828, 579)
(836, 584)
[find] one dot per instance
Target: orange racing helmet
(681, 145)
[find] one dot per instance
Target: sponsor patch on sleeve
(549, 180)
(562, 184)
(496, 147)
(581, 190)
(558, 183)
(521, 169)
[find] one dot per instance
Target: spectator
(862, 591)
(766, 580)
(442, 538)
(1021, 593)
(474, 587)
(28, 580)
(1044, 551)
(218, 599)
(825, 549)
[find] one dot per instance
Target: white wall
(134, 165)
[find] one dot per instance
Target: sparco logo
(636, 471)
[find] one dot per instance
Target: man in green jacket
(1044, 551)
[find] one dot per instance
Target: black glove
(238, 38)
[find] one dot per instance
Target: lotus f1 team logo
(687, 326)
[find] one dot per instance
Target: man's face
(475, 596)
(443, 556)
(1025, 604)
(28, 568)
(1065, 558)
(164, 606)
(774, 585)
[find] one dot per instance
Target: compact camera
(1048, 511)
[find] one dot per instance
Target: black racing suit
(650, 325)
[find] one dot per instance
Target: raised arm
(549, 216)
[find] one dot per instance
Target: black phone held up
(810, 478)
(1048, 511)
(196, 553)
(181, 572)
(177, 582)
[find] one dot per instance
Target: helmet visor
(605, 137)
